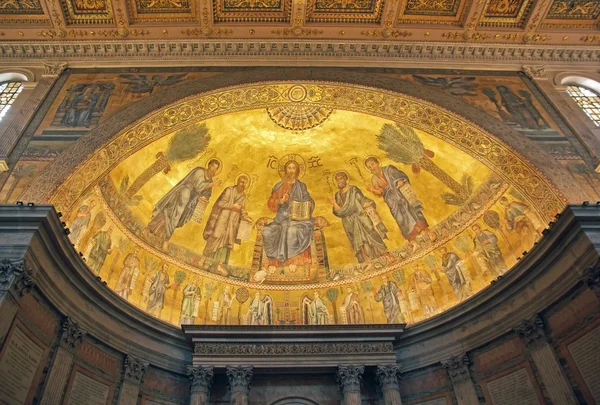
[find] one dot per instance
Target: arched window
(588, 100)
(8, 93)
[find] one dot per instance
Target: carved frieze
(284, 349)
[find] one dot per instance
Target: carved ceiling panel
(87, 11)
(344, 11)
(506, 13)
(573, 14)
(432, 11)
(175, 11)
(252, 11)
(22, 12)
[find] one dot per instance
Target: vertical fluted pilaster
(15, 129)
(16, 280)
(458, 371)
(554, 380)
(349, 378)
(58, 376)
(239, 383)
(389, 380)
(133, 375)
(200, 382)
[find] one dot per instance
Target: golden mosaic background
(458, 149)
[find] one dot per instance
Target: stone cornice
(293, 50)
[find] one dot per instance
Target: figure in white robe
(316, 311)
(190, 306)
(81, 222)
(225, 304)
(259, 311)
(131, 269)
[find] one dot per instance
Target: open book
(300, 211)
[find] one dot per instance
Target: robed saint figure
(286, 240)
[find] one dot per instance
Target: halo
(339, 172)
(220, 164)
(291, 157)
(246, 176)
(369, 157)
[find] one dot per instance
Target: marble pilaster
(200, 382)
(389, 380)
(239, 383)
(132, 378)
(457, 368)
(349, 378)
(15, 129)
(16, 280)
(546, 362)
(71, 336)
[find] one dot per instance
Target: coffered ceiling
(548, 22)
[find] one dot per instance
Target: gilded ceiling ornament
(298, 117)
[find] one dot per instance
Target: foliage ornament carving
(532, 332)
(457, 368)
(534, 72)
(14, 273)
(134, 369)
(349, 377)
(592, 278)
(54, 69)
(200, 378)
(72, 334)
(285, 349)
(389, 376)
(239, 378)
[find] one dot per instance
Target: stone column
(389, 379)
(458, 371)
(15, 281)
(556, 383)
(15, 129)
(56, 383)
(349, 378)
(132, 378)
(239, 383)
(200, 381)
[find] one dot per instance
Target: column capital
(53, 69)
(72, 334)
(349, 377)
(591, 277)
(457, 368)
(535, 72)
(532, 332)
(201, 378)
(16, 276)
(389, 376)
(239, 378)
(134, 369)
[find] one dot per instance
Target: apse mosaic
(362, 208)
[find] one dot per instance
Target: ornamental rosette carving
(389, 376)
(200, 377)
(457, 368)
(239, 378)
(349, 377)
(532, 332)
(72, 334)
(13, 273)
(134, 369)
